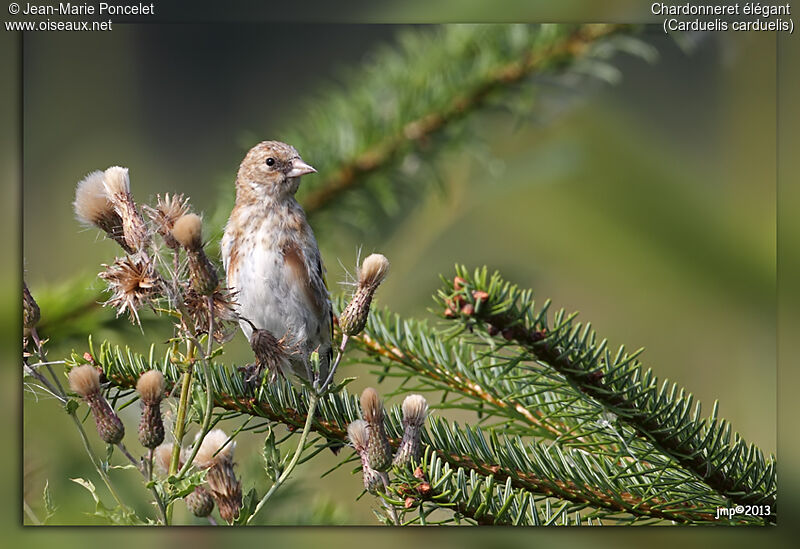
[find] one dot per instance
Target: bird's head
(271, 170)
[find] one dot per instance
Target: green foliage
(119, 515)
(542, 437)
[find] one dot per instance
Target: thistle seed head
(358, 435)
(151, 387)
(133, 283)
(272, 354)
(379, 453)
(226, 320)
(30, 309)
(162, 456)
(116, 181)
(188, 231)
(93, 207)
(167, 211)
(226, 490)
(200, 502)
(415, 409)
(371, 405)
(373, 271)
(84, 380)
(354, 317)
(214, 449)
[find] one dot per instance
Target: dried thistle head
(133, 282)
(226, 490)
(93, 207)
(226, 320)
(272, 354)
(30, 309)
(151, 387)
(373, 271)
(358, 435)
(116, 180)
(215, 449)
(84, 380)
(188, 231)
(415, 410)
(116, 183)
(371, 405)
(200, 502)
(167, 211)
(379, 453)
(162, 456)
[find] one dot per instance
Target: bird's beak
(299, 168)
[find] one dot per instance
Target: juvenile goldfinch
(271, 257)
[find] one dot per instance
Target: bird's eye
(270, 161)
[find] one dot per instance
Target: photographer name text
(102, 8)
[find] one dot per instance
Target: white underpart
(269, 295)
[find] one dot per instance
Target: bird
(271, 257)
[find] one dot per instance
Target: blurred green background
(649, 206)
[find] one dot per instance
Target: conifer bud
(151, 390)
(415, 410)
(216, 455)
(357, 433)
(200, 502)
(30, 310)
(93, 207)
(188, 232)
(116, 183)
(85, 381)
(372, 273)
(378, 450)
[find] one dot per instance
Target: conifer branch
(552, 472)
(736, 471)
(538, 55)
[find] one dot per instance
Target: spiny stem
(312, 407)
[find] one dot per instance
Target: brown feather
(293, 258)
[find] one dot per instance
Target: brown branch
(416, 132)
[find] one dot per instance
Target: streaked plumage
(271, 257)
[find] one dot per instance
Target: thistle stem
(180, 421)
(312, 407)
(209, 392)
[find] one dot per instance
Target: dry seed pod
(415, 410)
(200, 502)
(85, 381)
(216, 455)
(378, 449)
(93, 207)
(188, 232)
(151, 390)
(116, 183)
(357, 433)
(372, 273)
